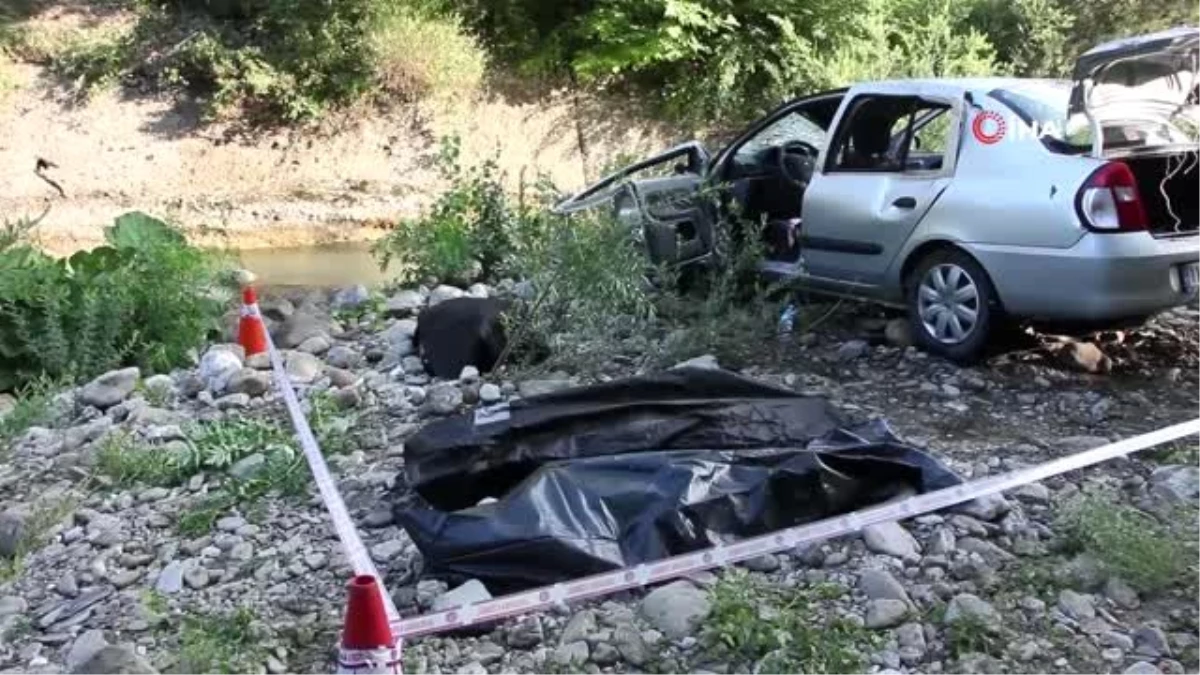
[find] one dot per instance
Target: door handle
(905, 203)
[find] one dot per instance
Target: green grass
(214, 447)
(970, 634)
(1179, 452)
(769, 629)
(220, 644)
(32, 408)
(1148, 553)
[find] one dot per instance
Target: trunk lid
(1137, 94)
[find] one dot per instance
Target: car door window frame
(953, 107)
(722, 160)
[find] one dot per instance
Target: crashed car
(964, 202)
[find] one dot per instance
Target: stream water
(326, 265)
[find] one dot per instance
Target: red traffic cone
(367, 642)
(252, 334)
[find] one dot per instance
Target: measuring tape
(726, 554)
(352, 545)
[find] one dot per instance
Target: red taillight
(1109, 200)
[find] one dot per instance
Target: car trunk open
(1138, 99)
(1167, 185)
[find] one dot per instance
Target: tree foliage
(727, 60)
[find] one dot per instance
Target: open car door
(661, 199)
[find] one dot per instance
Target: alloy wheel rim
(948, 303)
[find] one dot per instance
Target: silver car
(963, 201)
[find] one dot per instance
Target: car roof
(956, 85)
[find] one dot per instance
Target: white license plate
(1189, 275)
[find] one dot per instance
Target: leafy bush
(467, 233)
(146, 297)
(93, 61)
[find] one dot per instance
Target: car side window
(892, 134)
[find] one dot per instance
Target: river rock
(351, 297)
(13, 526)
(581, 626)
(399, 337)
(250, 382)
(404, 303)
(631, 645)
(85, 647)
(443, 398)
(341, 356)
(12, 604)
(170, 579)
(572, 654)
(443, 293)
(1076, 605)
(217, 368)
(300, 327)
(898, 333)
(318, 344)
(1176, 483)
(1142, 668)
(853, 349)
(880, 585)
(965, 606)
(890, 538)
(886, 613)
(248, 467)
(1151, 641)
(119, 659)
(110, 388)
(470, 592)
(303, 368)
(276, 308)
(676, 609)
(490, 393)
(159, 386)
(1121, 593)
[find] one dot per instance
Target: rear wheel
(952, 305)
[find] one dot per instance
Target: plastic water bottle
(787, 319)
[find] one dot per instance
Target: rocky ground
(112, 563)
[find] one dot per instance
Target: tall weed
(419, 55)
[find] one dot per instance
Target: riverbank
(344, 180)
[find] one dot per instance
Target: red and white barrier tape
(356, 552)
(670, 568)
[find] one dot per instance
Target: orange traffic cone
(367, 642)
(252, 334)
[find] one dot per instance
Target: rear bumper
(1101, 277)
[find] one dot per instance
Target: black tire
(987, 307)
